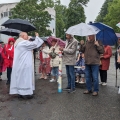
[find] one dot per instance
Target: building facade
(5, 14)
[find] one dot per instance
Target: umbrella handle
(95, 37)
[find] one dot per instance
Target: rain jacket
(8, 53)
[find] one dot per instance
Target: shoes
(7, 83)
(45, 77)
(95, 94)
(71, 90)
(25, 96)
(77, 81)
(67, 88)
(81, 82)
(87, 92)
(41, 77)
(100, 83)
(52, 80)
(104, 84)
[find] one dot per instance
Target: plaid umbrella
(59, 41)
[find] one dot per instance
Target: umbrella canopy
(82, 29)
(118, 35)
(19, 24)
(11, 32)
(59, 41)
(118, 25)
(106, 34)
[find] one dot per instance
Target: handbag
(53, 54)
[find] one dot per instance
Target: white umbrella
(82, 29)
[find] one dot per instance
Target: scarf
(17, 41)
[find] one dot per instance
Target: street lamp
(64, 33)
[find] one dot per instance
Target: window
(5, 14)
(10, 14)
(2, 15)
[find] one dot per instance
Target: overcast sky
(91, 11)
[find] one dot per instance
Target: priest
(22, 77)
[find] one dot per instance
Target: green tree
(34, 12)
(103, 12)
(60, 19)
(75, 13)
(113, 16)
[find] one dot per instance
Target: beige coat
(69, 52)
(55, 62)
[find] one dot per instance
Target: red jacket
(106, 58)
(8, 53)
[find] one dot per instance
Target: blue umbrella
(106, 35)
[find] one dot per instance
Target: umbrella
(82, 29)
(59, 41)
(11, 32)
(19, 24)
(118, 25)
(106, 35)
(118, 35)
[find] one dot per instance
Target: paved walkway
(50, 105)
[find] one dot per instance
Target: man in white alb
(22, 77)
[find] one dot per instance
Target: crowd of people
(17, 58)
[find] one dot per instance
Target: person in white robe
(22, 82)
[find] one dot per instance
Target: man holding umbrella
(69, 59)
(92, 50)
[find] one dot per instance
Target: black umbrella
(11, 32)
(19, 24)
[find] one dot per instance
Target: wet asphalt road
(47, 104)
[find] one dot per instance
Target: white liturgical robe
(22, 82)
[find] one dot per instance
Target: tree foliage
(75, 13)
(103, 12)
(113, 16)
(60, 19)
(34, 12)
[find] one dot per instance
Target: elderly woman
(44, 67)
(105, 63)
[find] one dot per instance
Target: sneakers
(71, 91)
(81, 82)
(104, 84)
(100, 83)
(52, 80)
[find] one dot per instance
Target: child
(80, 69)
(54, 62)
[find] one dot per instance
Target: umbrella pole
(60, 73)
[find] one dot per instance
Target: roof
(2, 4)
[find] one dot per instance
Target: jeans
(91, 72)
(103, 75)
(70, 76)
(54, 72)
(9, 70)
